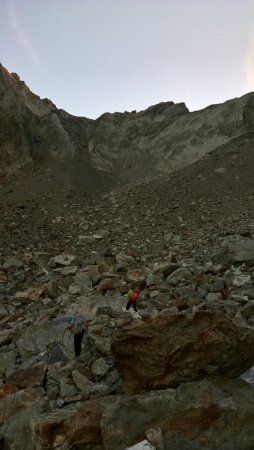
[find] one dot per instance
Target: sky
(95, 56)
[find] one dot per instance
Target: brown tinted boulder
(7, 389)
(75, 425)
(11, 404)
(169, 349)
(32, 377)
(108, 284)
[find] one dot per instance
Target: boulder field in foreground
(209, 414)
(167, 350)
(200, 415)
(192, 331)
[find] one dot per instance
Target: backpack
(133, 297)
(129, 293)
(79, 324)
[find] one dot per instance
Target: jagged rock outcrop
(122, 139)
(30, 129)
(168, 133)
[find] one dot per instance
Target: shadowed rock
(75, 425)
(32, 377)
(197, 415)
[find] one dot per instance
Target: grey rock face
(100, 368)
(236, 250)
(38, 338)
(30, 129)
(249, 376)
(64, 260)
(167, 134)
(178, 275)
(83, 280)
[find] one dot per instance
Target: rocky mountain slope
(30, 129)
(76, 233)
(164, 137)
(169, 135)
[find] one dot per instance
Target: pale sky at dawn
(94, 56)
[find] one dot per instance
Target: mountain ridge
(162, 138)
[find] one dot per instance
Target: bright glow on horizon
(129, 55)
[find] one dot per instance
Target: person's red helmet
(137, 290)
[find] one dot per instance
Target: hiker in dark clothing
(77, 324)
(132, 299)
(78, 327)
(77, 342)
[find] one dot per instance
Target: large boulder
(235, 250)
(41, 427)
(196, 416)
(37, 339)
(13, 433)
(178, 275)
(75, 425)
(169, 349)
(11, 404)
(24, 378)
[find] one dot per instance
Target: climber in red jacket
(132, 299)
